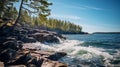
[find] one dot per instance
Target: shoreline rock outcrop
(12, 53)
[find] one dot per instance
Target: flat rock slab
(1, 64)
(52, 55)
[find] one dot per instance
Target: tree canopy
(34, 13)
(7, 8)
(30, 6)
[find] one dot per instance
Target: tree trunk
(19, 13)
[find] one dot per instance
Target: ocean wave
(76, 52)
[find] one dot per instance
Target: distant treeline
(41, 21)
(57, 25)
(106, 33)
(63, 26)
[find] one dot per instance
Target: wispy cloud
(93, 8)
(82, 7)
(85, 7)
(66, 16)
(77, 7)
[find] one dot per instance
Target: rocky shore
(12, 53)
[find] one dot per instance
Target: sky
(92, 15)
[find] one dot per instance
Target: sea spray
(67, 45)
(60, 41)
(92, 56)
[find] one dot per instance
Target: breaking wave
(78, 55)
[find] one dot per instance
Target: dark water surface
(108, 41)
(101, 50)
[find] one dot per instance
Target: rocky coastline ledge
(14, 54)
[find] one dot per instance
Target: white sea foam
(61, 41)
(72, 47)
(92, 50)
(67, 45)
(44, 47)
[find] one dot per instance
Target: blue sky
(92, 15)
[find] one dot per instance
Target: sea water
(88, 50)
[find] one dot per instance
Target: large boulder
(24, 57)
(45, 37)
(15, 45)
(51, 39)
(7, 55)
(26, 39)
(23, 31)
(57, 55)
(32, 31)
(43, 31)
(32, 62)
(38, 36)
(20, 59)
(4, 39)
(29, 40)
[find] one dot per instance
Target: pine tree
(6, 6)
(35, 6)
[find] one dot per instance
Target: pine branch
(30, 10)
